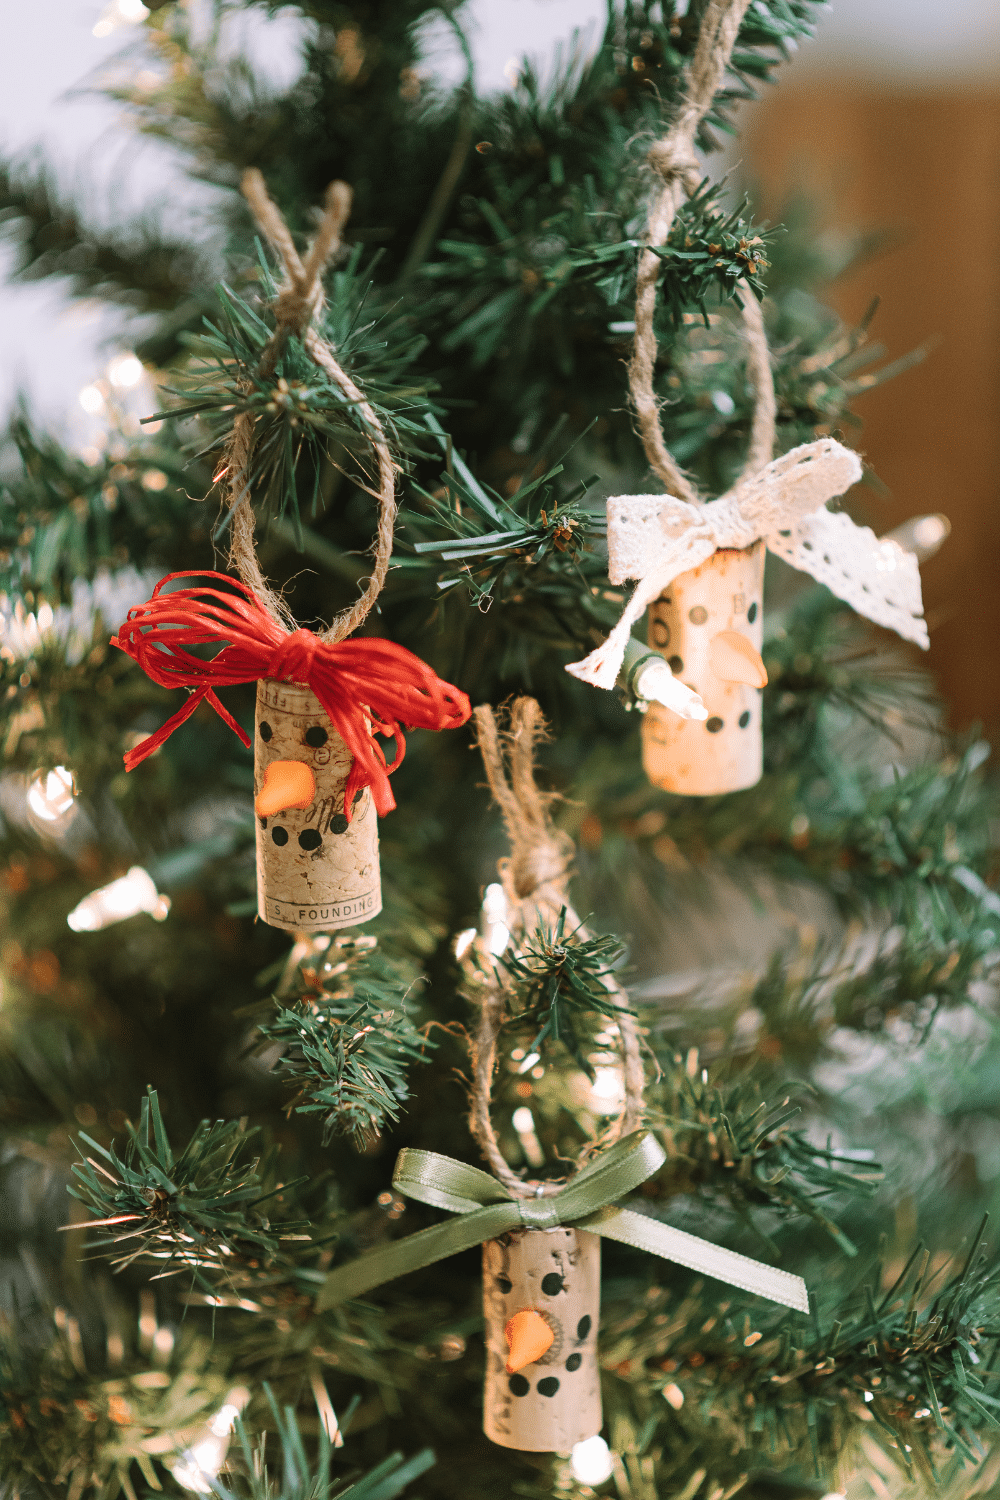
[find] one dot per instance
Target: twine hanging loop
(296, 308)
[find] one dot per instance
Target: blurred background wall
(890, 119)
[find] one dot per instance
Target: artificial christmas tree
(785, 991)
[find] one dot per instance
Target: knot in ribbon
(487, 1210)
(655, 538)
(292, 660)
(365, 686)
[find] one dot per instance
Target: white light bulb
(198, 1465)
(495, 929)
(123, 898)
(91, 399)
(656, 683)
(464, 941)
(591, 1461)
(125, 370)
(134, 11)
(51, 794)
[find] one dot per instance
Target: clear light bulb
(125, 370)
(655, 683)
(494, 923)
(123, 898)
(52, 794)
(921, 535)
(198, 1465)
(590, 1461)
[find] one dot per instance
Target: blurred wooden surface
(926, 164)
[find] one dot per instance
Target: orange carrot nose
(528, 1336)
(287, 783)
(733, 659)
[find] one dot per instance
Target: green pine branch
(348, 1040)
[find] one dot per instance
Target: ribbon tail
(146, 747)
(699, 1255)
(416, 1251)
(602, 666)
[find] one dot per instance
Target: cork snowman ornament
(541, 1303)
(316, 871)
(699, 570)
(540, 1240)
(708, 624)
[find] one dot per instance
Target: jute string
(534, 879)
(673, 159)
(296, 307)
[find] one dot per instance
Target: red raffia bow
(364, 685)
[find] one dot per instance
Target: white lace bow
(653, 538)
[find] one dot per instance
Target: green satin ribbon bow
(588, 1201)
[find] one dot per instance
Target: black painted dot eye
(316, 736)
(744, 718)
(279, 835)
(752, 612)
(583, 1328)
(552, 1284)
(574, 1362)
(676, 665)
(310, 838)
(504, 1284)
(265, 731)
(518, 1385)
(338, 823)
(713, 725)
(548, 1386)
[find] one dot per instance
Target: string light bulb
(52, 795)
(646, 678)
(126, 897)
(591, 1461)
(921, 535)
(494, 919)
(199, 1465)
(125, 370)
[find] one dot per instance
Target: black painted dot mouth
(279, 835)
(574, 1362)
(676, 665)
(713, 725)
(744, 718)
(338, 823)
(583, 1327)
(548, 1386)
(310, 838)
(265, 731)
(752, 613)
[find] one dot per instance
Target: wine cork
(723, 753)
(315, 871)
(550, 1405)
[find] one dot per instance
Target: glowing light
(132, 10)
(656, 683)
(495, 929)
(198, 1465)
(125, 371)
(523, 1122)
(91, 399)
(607, 1083)
(591, 1461)
(529, 1063)
(464, 941)
(51, 794)
(922, 535)
(123, 898)
(154, 479)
